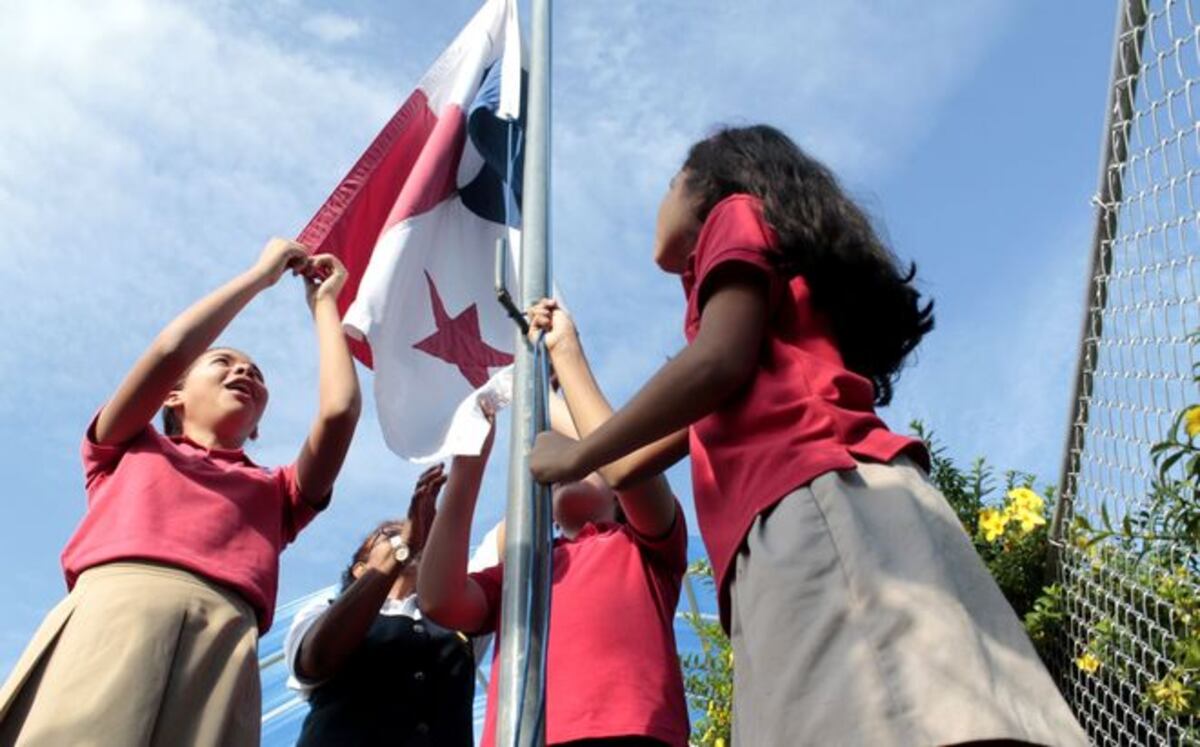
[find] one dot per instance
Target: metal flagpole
(526, 602)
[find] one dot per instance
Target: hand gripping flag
(416, 222)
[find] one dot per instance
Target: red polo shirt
(803, 414)
(209, 511)
(611, 664)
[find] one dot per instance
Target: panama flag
(416, 222)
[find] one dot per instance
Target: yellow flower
(1029, 520)
(1026, 500)
(1088, 662)
(720, 742)
(992, 522)
(1171, 694)
(1192, 421)
(1026, 508)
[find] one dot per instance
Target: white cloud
(636, 83)
(150, 148)
(148, 154)
(332, 28)
(154, 153)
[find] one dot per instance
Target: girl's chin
(237, 421)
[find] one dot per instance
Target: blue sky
(149, 149)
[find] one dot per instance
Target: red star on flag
(458, 341)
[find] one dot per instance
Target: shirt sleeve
(491, 581)
(301, 624)
(668, 551)
(100, 460)
(736, 231)
(487, 553)
(297, 512)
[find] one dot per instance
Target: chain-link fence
(1121, 651)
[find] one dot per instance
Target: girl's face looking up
(678, 226)
(223, 392)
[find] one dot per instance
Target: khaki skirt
(862, 615)
(138, 654)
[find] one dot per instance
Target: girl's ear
(172, 410)
(358, 568)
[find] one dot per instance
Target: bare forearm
(644, 493)
(442, 585)
(648, 461)
(719, 361)
(586, 402)
(339, 404)
(193, 331)
(339, 394)
(338, 632)
(688, 387)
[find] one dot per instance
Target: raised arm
(448, 595)
(142, 392)
(341, 629)
(649, 504)
(718, 362)
(339, 400)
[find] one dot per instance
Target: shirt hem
(73, 568)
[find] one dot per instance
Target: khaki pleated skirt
(862, 615)
(138, 654)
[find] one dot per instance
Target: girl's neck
(405, 585)
(209, 439)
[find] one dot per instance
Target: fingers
(319, 267)
(279, 255)
(430, 480)
(436, 484)
(541, 317)
(545, 307)
(488, 408)
(286, 247)
(327, 264)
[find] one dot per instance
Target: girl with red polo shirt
(173, 570)
(612, 672)
(858, 610)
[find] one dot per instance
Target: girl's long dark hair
(868, 297)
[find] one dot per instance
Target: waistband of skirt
(150, 569)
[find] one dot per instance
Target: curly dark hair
(868, 297)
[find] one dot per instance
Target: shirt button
(419, 676)
(422, 728)
(418, 628)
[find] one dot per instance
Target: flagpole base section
(525, 607)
